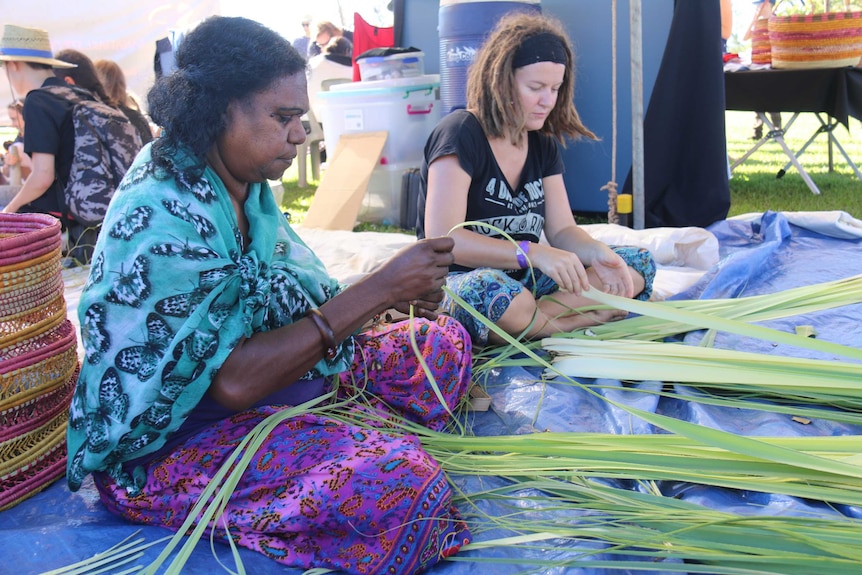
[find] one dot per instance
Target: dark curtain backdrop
(685, 146)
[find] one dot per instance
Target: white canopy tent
(126, 32)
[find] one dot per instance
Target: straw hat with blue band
(20, 44)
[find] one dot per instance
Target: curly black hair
(220, 61)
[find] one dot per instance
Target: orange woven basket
(830, 40)
(761, 52)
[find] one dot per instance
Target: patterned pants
(490, 291)
(320, 493)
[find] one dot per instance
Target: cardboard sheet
(339, 197)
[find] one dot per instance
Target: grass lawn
(753, 184)
(755, 188)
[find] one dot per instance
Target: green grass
(753, 185)
(296, 202)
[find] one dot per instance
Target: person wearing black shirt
(497, 166)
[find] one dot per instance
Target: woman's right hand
(415, 276)
(564, 267)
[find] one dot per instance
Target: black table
(833, 94)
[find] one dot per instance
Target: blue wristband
(521, 254)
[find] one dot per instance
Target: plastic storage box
(407, 108)
(405, 65)
(382, 201)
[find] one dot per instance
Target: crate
(405, 65)
(407, 108)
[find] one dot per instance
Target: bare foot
(586, 319)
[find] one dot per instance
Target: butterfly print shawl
(171, 291)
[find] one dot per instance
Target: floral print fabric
(171, 291)
(320, 493)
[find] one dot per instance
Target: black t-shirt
(519, 213)
(50, 131)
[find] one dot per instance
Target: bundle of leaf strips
(553, 471)
(628, 350)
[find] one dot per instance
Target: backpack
(106, 144)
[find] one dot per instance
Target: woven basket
(31, 281)
(24, 237)
(37, 369)
(761, 52)
(21, 300)
(831, 40)
(35, 458)
(38, 357)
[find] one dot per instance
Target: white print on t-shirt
(529, 223)
(497, 192)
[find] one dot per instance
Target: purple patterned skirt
(320, 493)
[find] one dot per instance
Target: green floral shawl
(171, 291)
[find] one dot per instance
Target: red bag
(366, 37)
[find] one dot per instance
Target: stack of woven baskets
(761, 52)
(38, 357)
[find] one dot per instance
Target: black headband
(543, 47)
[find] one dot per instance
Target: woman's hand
(416, 275)
(564, 267)
(613, 272)
(11, 159)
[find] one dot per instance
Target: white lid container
(407, 108)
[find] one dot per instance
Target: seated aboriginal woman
(204, 313)
(497, 166)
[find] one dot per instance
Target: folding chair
(311, 146)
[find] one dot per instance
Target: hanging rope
(611, 186)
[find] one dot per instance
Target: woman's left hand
(614, 274)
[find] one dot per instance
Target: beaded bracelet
(325, 330)
(521, 253)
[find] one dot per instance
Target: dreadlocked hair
(492, 94)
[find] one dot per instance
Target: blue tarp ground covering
(758, 255)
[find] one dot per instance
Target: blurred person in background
(326, 31)
(83, 75)
(336, 62)
(13, 150)
(763, 9)
(114, 81)
(301, 43)
(49, 138)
